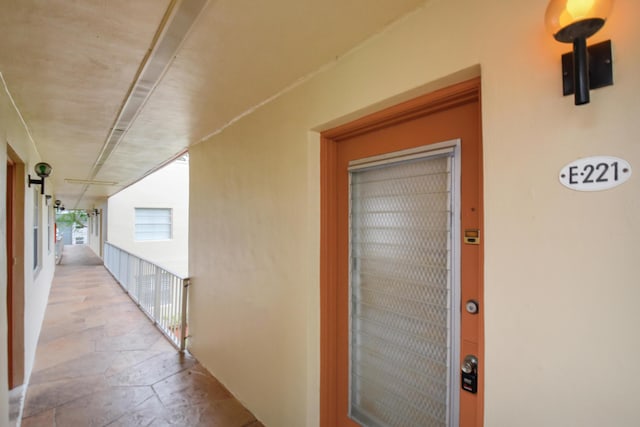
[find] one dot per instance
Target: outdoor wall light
(96, 212)
(43, 170)
(573, 21)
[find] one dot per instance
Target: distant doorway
(15, 276)
(9, 205)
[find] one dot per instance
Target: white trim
(456, 285)
(409, 154)
(15, 107)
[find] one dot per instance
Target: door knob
(470, 364)
(469, 369)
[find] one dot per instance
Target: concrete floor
(101, 362)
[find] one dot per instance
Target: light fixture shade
(568, 20)
(42, 169)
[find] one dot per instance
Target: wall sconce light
(43, 170)
(58, 205)
(96, 212)
(573, 21)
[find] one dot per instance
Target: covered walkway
(101, 362)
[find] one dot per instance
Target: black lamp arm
(581, 71)
(37, 182)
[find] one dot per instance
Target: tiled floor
(100, 362)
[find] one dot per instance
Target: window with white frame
(49, 230)
(153, 224)
(36, 229)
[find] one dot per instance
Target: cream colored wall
(165, 188)
(560, 280)
(36, 284)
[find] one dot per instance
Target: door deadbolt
(471, 306)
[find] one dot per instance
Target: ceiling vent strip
(180, 17)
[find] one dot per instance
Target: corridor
(101, 362)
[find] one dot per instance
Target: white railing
(58, 250)
(159, 293)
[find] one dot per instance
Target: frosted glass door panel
(400, 289)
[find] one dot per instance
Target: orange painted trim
(444, 99)
(16, 250)
(9, 245)
(328, 283)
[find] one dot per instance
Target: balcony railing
(58, 249)
(159, 293)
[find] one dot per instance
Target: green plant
(173, 322)
(74, 217)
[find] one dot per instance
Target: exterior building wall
(14, 136)
(165, 188)
(95, 236)
(560, 279)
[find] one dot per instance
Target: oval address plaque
(595, 173)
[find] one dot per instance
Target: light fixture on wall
(43, 170)
(573, 21)
(58, 205)
(96, 212)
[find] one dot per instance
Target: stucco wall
(165, 188)
(560, 280)
(36, 284)
(95, 238)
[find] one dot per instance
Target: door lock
(469, 370)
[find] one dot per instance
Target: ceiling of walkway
(111, 90)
